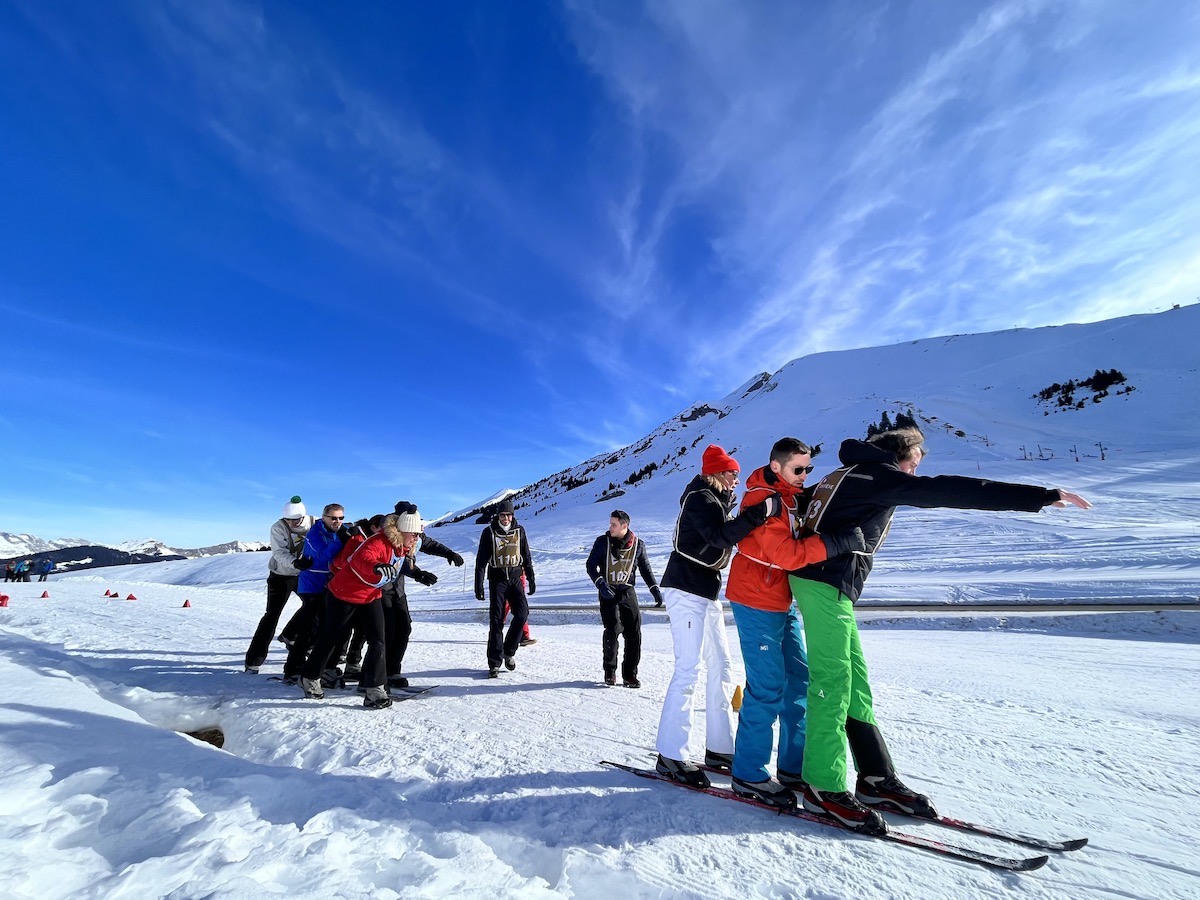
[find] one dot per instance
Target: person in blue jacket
(322, 544)
(45, 567)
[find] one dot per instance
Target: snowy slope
(492, 788)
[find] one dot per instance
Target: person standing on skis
(768, 626)
(876, 476)
(397, 618)
(705, 535)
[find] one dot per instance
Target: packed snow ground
(1064, 725)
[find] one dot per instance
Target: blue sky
(371, 251)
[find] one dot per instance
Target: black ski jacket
(705, 532)
(428, 545)
(597, 564)
(869, 495)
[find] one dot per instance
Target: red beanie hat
(716, 460)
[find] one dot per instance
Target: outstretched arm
(1067, 498)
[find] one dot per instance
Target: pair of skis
(954, 851)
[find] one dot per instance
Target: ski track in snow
(491, 788)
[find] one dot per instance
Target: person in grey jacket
(287, 546)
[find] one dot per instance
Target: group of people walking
(802, 558)
(351, 584)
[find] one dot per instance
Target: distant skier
(616, 558)
(768, 626)
(287, 544)
(705, 535)
(503, 556)
(10, 571)
(45, 567)
(876, 476)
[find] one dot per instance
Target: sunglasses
(336, 518)
(796, 470)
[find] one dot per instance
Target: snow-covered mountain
(1109, 391)
(152, 547)
(28, 545)
(12, 545)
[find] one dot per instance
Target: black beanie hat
(505, 506)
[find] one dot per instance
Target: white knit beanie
(294, 508)
(409, 523)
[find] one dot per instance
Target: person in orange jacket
(768, 626)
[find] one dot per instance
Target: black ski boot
(772, 793)
(890, 794)
(682, 771)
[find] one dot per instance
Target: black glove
(303, 563)
(346, 532)
(656, 593)
(773, 506)
(420, 576)
(479, 595)
(532, 586)
(387, 571)
(605, 590)
(454, 559)
(848, 541)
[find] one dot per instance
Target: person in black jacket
(397, 620)
(705, 535)
(876, 476)
(611, 567)
(504, 557)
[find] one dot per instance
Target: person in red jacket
(768, 626)
(354, 595)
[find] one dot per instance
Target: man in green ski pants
(876, 476)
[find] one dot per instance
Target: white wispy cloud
(997, 175)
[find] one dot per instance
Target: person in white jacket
(287, 545)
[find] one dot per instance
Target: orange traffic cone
(131, 597)
(108, 593)
(187, 604)
(736, 702)
(45, 595)
(3, 599)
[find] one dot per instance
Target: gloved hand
(455, 559)
(760, 512)
(303, 563)
(479, 595)
(346, 532)
(656, 593)
(387, 571)
(532, 586)
(848, 541)
(420, 576)
(773, 505)
(605, 590)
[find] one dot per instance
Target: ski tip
(1076, 844)
(1033, 862)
